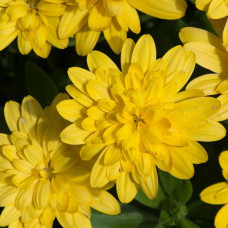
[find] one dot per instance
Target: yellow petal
(80, 77)
(33, 154)
(70, 110)
(97, 90)
(144, 52)
(222, 113)
(129, 18)
(85, 40)
(126, 187)
(218, 9)
(208, 56)
(65, 219)
(112, 155)
(8, 195)
(79, 96)
(190, 34)
(114, 8)
(41, 194)
(150, 184)
(182, 168)
(208, 83)
(165, 9)
(106, 203)
(72, 20)
(87, 152)
(207, 195)
(9, 215)
(202, 4)
(25, 195)
(126, 54)
(98, 17)
(74, 134)
(223, 158)
(31, 109)
(97, 59)
(98, 176)
(195, 152)
(115, 36)
(221, 217)
(12, 114)
(81, 220)
(24, 46)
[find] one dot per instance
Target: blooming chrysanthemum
(135, 120)
(88, 18)
(217, 12)
(42, 178)
(218, 194)
(35, 24)
(210, 54)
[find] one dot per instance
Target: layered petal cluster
(86, 19)
(218, 194)
(135, 120)
(217, 12)
(212, 55)
(42, 178)
(33, 22)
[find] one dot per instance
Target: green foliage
(39, 84)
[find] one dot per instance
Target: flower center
(32, 3)
(45, 171)
(137, 119)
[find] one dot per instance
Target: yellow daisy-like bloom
(87, 18)
(135, 120)
(217, 11)
(42, 178)
(210, 54)
(218, 194)
(35, 24)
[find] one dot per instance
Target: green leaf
(155, 203)
(180, 190)
(130, 217)
(164, 217)
(39, 84)
(184, 191)
(186, 223)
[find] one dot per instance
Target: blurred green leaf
(186, 223)
(164, 217)
(130, 217)
(39, 84)
(180, 190)
(155, 203)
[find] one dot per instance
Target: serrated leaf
(39, 84)
(155, 203)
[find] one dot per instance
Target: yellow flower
(33, 22)
(217, 12)
(135, 120)
(210, 54)
(87, 18)
(42, 178)
(218, 193)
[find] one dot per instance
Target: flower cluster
(136, 119)
(119, 126)
(41, 177)
(38, 24)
